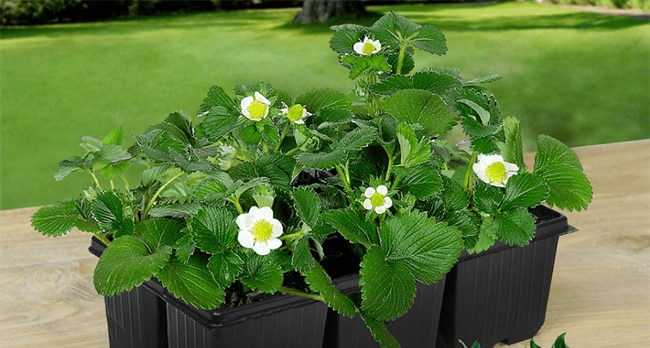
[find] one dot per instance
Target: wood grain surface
(600, 293)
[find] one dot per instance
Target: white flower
(296, 114)
(367, 46)
(376, 199)
(255, 107)
(493, 170)
(259, 230)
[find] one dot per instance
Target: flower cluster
(258, 184)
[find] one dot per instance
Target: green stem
(390, 166)
(345, 177)
(292, 151)
(400, 60)
(284, 134)
(92, 175)
(102, 238)
(289, 291)
(293, 235)
(127, 186)
(468, 172)
(235, 201)
(158, 192)
(396, 182)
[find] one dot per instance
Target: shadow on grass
(432, 14)
(252, 19)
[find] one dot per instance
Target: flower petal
(369, 192)
(387, 202)
(262, 98)
(274, 243)
(246, 239)
(367, 204)
(261, 248)
(276, 227)
(380, 209)
(265, 213)
(382, 189)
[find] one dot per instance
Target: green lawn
(580, 77)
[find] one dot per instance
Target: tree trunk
(322, 10)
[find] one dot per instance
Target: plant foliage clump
(247, 196)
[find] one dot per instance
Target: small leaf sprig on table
(243, 198)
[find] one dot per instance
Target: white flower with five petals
(377, 199)
(259, 230)
(255, 107)
(493, 170)
(367, 46)
(296, 114)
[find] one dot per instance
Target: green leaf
(69, 166)
(430, 39)
(213, 229)
(159, 233)
(192, 282)
(127, 263)
(225, 267)
(320, 282)
(250, 134)
(214, 187)
(360, 64)
(307, 205)
(353, 226)
(358, 139)
(559, 342)
(487, 198)
(386, 29)
(515, 227)
(392, 84)
(175, 210)
(422, 182)
(301, 258)
(217, 97)
(454, 195)
(484, 115)
(56, 219)
(524, 190)
(512, 149)
(324, 98)
(107, 210)
(533, 344)
(412, 152)
(345, 37)
(278, 168)
(218, 122)
(114, 137)
(379, 332)
(551, 151)
(486, 237)
(426, 248)
(560, 168)
(322, 160)
(421, 107)
(387, 287)
(436, 81)
(261, 274)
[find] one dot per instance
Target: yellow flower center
(377, 199)
(496, 172)
(257, 110)
(262, 231)
(295, 113)
(368, 48)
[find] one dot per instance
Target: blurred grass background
(581, 77)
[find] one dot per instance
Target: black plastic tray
(501, 295)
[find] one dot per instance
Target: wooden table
(600, 294)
